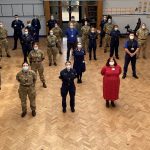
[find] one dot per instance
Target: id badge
(132, 49)
(72, 35)
(113, 69)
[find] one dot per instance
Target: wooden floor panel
(92, 126)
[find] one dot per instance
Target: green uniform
(59, 34)
(52, 49)
(3, 41)
(36, 57)
(142, 40)
(27, 82)
(85, 40)
(107, 29)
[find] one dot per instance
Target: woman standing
(111, 81)
(79, 63)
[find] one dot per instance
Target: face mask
(17, 18)
(72, 19)
(35, 48)
(52, 18)
(111, 63)
(109, 21)
(29, 25)
(79, 46)
(51, 33)
(71, 27)
(105, 19)
(92, 31)
(68, 67)
(131, 37)
(26, 33)
(143, 27)
(86, 23)
(1, 25)
(25, 68)
(116, 29)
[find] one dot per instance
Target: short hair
(107, 63)
(67, 62)
(16, 15)
(29, 21)
(35, 43)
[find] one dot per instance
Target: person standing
(131, 49)
(71, 34)
(59, 34)
(111, 81)
(85, 32)
(79, 62)
(51, 23)
(36, 57)
(3, 40)
(37, 26)
(107, 29)
(17, 25)
(52, 49)
(114, 42)
(67, 76)
(142, 35)
(26, 41)
(102, 34)
(27, 79)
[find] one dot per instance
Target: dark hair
(68, 62)
(25, 63)
(107, 63)
(16, 15)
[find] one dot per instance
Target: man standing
(3, 40)
(27, 79)
(67, 76)
(142, 35)
(17, 25)
(131, 49)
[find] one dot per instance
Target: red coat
(111, 82)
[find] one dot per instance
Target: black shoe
(72, 110)
(44, 85)
(105, 50)
(60, 53)
(113, 104)
(33, 113)
(78, 81)
(100, 45)
(55, 64)
(8, 56)
(0, 55)
(14, 49)
(89, 58)
(0, 67)
(107, 103)
(117, 57)
(124, 76)
(64, 110)
(135, 76)
(95, 58)
(50, 64)
(23, 114)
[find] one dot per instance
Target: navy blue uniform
(68, 85)
(79, 64)
(132, 46)
(102, 34)
(26, 42)
(92, 44)
(17, 25)
(51, 24)
(37, 26)
(114, 43)
(71, 40)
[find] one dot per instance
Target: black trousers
(16, 37)
(114, 48)
(90, 52)
(128, 58)
(79, 76)
(36, 36)
(26, 50)
(69, 46)
(102, 35)
(64, 92)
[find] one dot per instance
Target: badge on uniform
(132, 49)
(113, 69)
(72, 35)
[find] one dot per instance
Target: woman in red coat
(111, 81)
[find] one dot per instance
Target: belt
(141, 39)
(26, 85)
(52, 46)
(36, 61)
(107, 33)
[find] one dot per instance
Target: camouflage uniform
(36, 57)
(3, 41)
(27, 82)
(142, 41)
(59, 34)
(107, 29)
(52, 50)
(75, 23)
(85, 32)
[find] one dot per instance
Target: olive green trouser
(142, 47)
(52, 54)
(4, 43)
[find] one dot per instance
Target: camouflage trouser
(59, 45)
(52, 52)
(38, 67)
(25, 91)
(85, 43)
(107, 41)
(4, 43)
(0, 80)
(142, 47)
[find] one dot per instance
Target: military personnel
(52, 49)
(27, 79)
(107, 29)
(75, 23)
(67, 76)
(3, 40)
(36, 56)
(59, 34)
(0, 73)
(37, 26)
(26, 41)
(142, 35)
(51, 23)
(17, 25)
(85, 32)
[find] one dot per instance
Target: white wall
(29, 7)
(123, 20)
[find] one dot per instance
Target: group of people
(34, 57)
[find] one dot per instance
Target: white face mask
(71, 27)
(51, 33)
(17, 18)
(79, 46)
(116, 29)
(29, 25)
(68, 67)
(86, 23)
(52, 18)
(25, 68)
(143, 27)
(111, 63)
(26, 33)
(1, 25)
(92, 31)
(109, 21)
(105, 18)
(35, 48)
(131, 37)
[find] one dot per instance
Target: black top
(17, 25)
